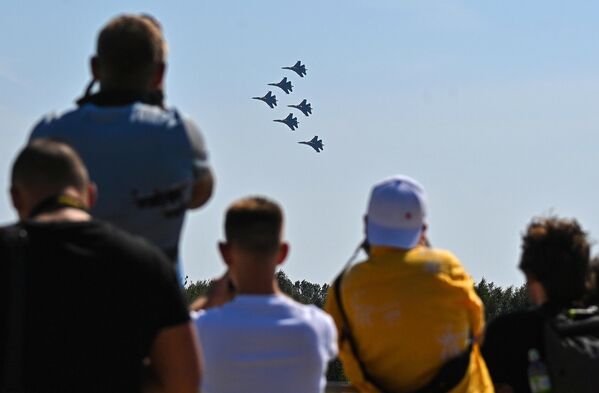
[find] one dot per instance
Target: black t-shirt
(508, 339)
(95, 298)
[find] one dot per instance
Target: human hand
(221, 291)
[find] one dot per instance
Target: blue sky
(490, 105)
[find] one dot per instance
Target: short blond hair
(131, 44)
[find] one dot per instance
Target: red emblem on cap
(408, 216)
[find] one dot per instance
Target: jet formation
(298, 68)
(315, 143)
(269, 98)
(303, 106)
(284, 85)
(290, 121)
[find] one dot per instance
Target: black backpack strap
(576, 321)
(449, 375)
(346, 331)
(571, 343)
(14, 238)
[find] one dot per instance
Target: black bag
(572, 350)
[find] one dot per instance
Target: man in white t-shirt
(261, 341)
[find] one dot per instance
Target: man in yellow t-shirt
(408, 309)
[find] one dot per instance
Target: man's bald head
(130, 50)
(47, 167)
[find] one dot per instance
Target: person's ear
(283, 252)
(158, 78)
(17, 199)
(536, 291)
(225, 252)
(92, 195)
(94, 65)
(423, 241)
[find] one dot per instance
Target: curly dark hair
(556, 252)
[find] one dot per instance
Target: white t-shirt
(265, 343)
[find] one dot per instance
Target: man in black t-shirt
(555, 258)
(84, 307)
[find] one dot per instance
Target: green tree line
(497, 301)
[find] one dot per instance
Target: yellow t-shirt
(409, 311)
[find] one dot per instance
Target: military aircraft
(298, 68)
(290, 121)
(304, 107)
(315, 143)
(269, 98)
(284, 85)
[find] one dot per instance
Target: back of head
(130, 46)
(46, 167)
(396, 212)
(254, 225)
(556, 252)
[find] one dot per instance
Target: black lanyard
(57, 202)
(120, 97)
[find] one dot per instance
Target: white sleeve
(328, 334)
(332, 348)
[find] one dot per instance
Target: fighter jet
(290, 121)
(298, 68)
(269, 98)
(304, 107)
(315, 143)
(284, 85)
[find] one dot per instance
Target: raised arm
(201, 190)
(203, 178)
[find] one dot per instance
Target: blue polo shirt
(144, 160)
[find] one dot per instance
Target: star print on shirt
(452, 343)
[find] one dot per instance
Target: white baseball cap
(396, 213)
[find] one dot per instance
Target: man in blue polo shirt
(149, 162)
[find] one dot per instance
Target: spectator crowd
(90, 275)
